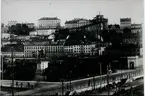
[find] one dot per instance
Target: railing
(114, 77)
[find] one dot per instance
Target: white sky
(32, 10)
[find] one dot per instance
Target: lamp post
(70, 80)
(109, 71)
(62, 82)
(100, 75)
(12, 71)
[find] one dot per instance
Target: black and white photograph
(72, 48)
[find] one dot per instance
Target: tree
(20, 29)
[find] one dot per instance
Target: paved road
(126, 86)
(53, 87)
(58, 89)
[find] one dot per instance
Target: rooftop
(125, 19)
(49, 18)
(16, 48)
(43, 43)
(75, 20)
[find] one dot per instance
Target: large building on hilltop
(76, 22)
(48, 23)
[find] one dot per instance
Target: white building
(45, 32)
(35, 47)
(48, 22)
(23, 37)
(32, 33)
(134, 62)
(6, 36)
(44, 65)
(77, 49)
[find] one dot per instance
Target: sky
(32, 10)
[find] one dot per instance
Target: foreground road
(76, 84)
(47, 88)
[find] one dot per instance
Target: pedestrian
(28, 84)
(21, 84)
(32, 86)
(89, 83)
(17, 84)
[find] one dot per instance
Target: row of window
(42, 47)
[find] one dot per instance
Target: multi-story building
(31, 49)
(45, 32)
(135, 36)
(125, 23)
(42, 32)
(32, 33)
(48, 23)
(87, 49)
(136, 28)
(115, 27)
(98, 23)
(76, 22)
(22, 37)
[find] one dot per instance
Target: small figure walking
(28, 84)
(17, 84)
(89, 83)
(21, 84)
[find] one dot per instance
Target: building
(136, 28)
(134, 62)
(87, 49)
(4, 29)
(45, 32)
(135, 36)
(5, 42)
(30, 25)
(115, 27)
(95, 26)
(98, 23)
(18, 50)
(42, 32)
(76, 22)
(48, 23)
(33, 33)
(23, 37)
(32, 49)
(5, 36)
(125, 23)
(131, 38)
(10, 23)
